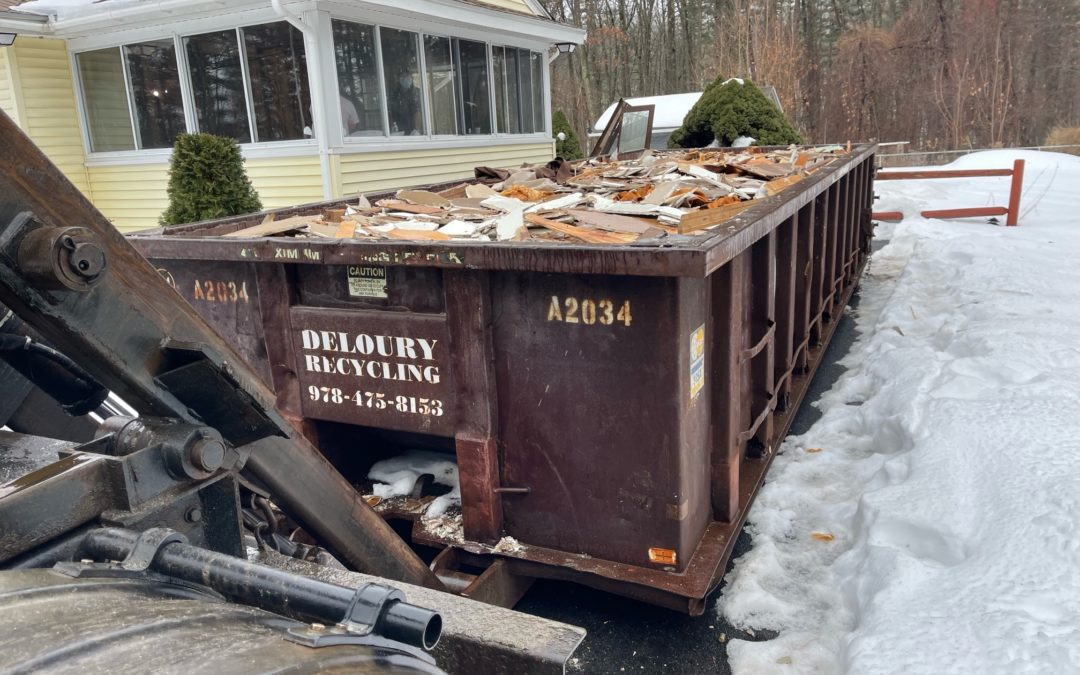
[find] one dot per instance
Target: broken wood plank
(419, 209)
(454, 192)
(776, 185)
(321, 229)
(699, 220)
(416, 234)
(764, 168)
(612, 222)
(584, 234)
(274, 227)
(423, 197)
(346, 229)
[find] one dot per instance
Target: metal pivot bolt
(62, 258)
(86, 259)
(207, 454)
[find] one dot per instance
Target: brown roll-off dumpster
(612, 407)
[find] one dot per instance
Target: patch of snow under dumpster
(929, 522)
(396, 477)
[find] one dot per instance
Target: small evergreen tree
(729, 109)
(570, 147)
(207, 180)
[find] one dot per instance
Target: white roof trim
(126, 16)
(538, 9)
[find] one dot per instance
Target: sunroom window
(434, 85)
(217, 84)
(401, 73)
(471, 75)
(251, 84)
(442, 94)
(105, 99)
(275, 93)
(519, 90)
(139, 79)
(358, 79)
(155, 93)
(277, 70)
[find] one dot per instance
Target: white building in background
(670, 112)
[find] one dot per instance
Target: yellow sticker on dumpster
(697, 361)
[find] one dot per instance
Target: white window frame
(357, 144)
(385, 17)
(252, 150)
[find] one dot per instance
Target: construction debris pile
(596, 202)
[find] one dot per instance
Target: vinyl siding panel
(287, 181)
(7, 86)
(134, 196)
(131, 196)
(366, 172)
(516, 5)
(47, 112)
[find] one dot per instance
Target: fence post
(1014, 193)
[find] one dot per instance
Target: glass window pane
(513, 90)
(440, 85)
(217, 84)
(401, 71)
(525, 90)
(498, 65)
(472, 79)
(358, 79)
(539, 124)
(105, 99)
(155, 87)
(635, 127)
(277, 66)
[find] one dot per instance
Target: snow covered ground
(929, 522)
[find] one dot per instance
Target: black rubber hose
(58, 376)
(275, 590)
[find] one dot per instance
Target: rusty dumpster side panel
(612, 408)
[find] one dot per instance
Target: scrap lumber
(615, 223)
(699, 220)
(584, 234)
(273, 227)
(598, 201)
(399, 233)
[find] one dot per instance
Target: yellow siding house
(327, 98)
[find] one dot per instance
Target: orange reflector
(662, 556)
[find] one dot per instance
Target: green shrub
(570, 147)
(727, 110)
(207, 180)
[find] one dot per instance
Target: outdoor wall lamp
(566, 47)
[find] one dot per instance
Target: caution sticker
(697, 361)
(367, 281)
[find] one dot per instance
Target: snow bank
(397, 476)
(945, 466)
